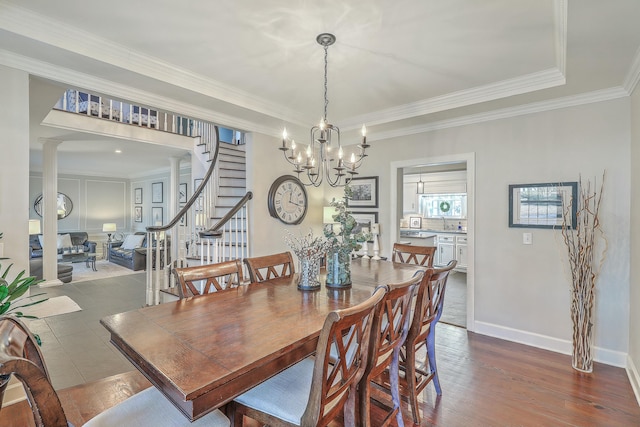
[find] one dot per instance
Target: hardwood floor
(485, 382)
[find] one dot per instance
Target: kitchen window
(452, 205)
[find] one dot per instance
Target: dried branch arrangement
(581, 246)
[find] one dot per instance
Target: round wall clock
(287, 200)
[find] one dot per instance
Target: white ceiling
(400, 67)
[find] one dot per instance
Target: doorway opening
(453, 235)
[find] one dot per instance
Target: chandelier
(324, 157)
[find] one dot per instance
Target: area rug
(51, 307)
(82, 273)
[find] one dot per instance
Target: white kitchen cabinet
(461, 252)
(446, 249)
(409, 198)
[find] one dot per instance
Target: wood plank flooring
(485, 382)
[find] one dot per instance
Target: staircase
(213, 224)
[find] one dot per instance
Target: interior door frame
(396, 199)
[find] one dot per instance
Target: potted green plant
(342, 243)
(10, 292)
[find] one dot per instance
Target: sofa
(131, 252)
(77, 238)
(65, 271)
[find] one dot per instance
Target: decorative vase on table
(343, 242)
(309, 251)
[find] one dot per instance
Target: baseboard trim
(634, 378)
(602, 355)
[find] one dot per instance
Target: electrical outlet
(527, 239)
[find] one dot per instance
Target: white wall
(264, 164)
(522, 292)
(633, 362)
(14, 167)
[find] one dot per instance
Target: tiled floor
(76, 346)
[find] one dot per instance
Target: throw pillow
(64, 241)
(133, 241)
(41, 240)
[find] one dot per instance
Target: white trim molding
(545, 342)
(634, 378)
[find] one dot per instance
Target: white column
(50, 212)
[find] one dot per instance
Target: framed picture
(542, 205)
(365, 220)
(182, 193)
(365, 192)
(415, 222)
(137, 196)
(137, 213)
(156, 192)
(156, 216)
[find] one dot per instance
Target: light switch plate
(527, 239)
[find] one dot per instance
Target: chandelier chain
(326, 99)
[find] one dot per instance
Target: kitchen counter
(426, 233)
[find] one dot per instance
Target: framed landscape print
(365, 192)
(541, 205)
(156, 192)
(137, 196)
(137, 213)
(364, 220)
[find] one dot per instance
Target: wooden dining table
(202, 352)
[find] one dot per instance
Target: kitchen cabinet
(451, 246)
(409, 198)
(461, 252)
(446, 249)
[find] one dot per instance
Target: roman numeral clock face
(288, 200)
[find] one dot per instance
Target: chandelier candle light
(318, 161)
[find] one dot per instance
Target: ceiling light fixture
(323, 157)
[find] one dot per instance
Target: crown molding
(560, 21)
(633, 75)
(91, 83)
(490, 92)
(504, 113)
(43, 29)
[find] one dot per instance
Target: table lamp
(34, 226)
(327, 217)
(109, 228)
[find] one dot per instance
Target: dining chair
(212, 278)
(390, 329)
(412, 254)
(428, 309)
(266, 267)
(20, 356)
(317, 389)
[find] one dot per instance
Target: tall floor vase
(582, 319)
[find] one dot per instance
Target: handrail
(194, 196)
(213, 231)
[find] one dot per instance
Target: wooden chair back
(212, 278)
(20, 356)
(337, 373)
(270, 266)
(411, 254)
(427, 312)
(390, 329)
